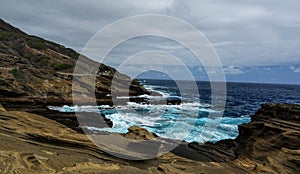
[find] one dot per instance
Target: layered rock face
(272, 139)
(34, 144)
(36, 72)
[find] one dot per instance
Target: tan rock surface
(137, 133)
(34, 144)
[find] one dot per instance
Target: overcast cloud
(244, 33)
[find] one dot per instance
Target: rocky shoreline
(36, 73)
(31, 143)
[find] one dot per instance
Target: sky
(256, 41)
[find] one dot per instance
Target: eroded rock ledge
(272, 139)
(31, 143)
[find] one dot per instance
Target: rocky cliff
(270, 143)
(35, 72)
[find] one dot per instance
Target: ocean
(173, 121)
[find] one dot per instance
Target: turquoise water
(189, 121)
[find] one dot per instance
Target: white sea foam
(77, 108)
(152, 88)
(177, 129)
(169, 121)
(123, 97)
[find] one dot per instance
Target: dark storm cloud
(249, 32)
